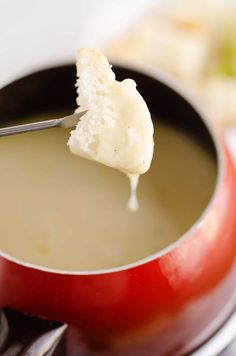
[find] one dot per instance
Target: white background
(38, 33)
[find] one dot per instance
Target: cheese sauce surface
(65, 212)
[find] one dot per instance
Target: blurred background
(194, 41)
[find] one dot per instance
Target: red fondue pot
(166, 304)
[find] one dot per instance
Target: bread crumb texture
(117, 130)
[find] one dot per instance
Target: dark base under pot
(22, 335)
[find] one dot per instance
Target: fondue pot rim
(170, 82)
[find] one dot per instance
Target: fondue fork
(64, 122)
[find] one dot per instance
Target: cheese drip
(133, 200)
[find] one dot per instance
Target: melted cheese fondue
(65, 212)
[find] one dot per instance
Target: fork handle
(35, 126)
